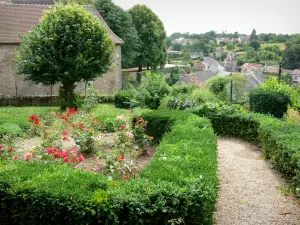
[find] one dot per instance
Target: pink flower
(129, 134)
(122, 127)
(1, 147)
(81, 158)
(151, 138)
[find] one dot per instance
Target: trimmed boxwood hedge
(179, 185)
(279, 140)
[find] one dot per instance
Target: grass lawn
(281, 45)
(104, 111)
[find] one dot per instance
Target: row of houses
(243, 39)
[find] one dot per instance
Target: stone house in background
(230, 62)
(18, 19)
(296, 78)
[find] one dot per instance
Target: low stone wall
(30, 101)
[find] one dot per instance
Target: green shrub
(203, 95)
(151, 91)
(273, 98)
(180, 102)
(180, 182)
(174, 76)
(10, 128)
(219, 86)
(122, 98)
(209, 109)
(183, 89)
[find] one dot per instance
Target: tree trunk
(140, 68)
(67, 96)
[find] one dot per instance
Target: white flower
(120, 117)
(129, 134)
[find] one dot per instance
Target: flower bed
(179, 185)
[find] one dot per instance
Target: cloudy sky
(199, 16)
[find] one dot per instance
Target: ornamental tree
(69, 45)
(121, 24)
(152, 35)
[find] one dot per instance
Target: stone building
(296, 78)
(230, 62)
(17, 19)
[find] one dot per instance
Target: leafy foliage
(123, 98)
(120, 22)
(152, 35)
(174, 77)
(273, 98)
(151, 91)
(69, 45)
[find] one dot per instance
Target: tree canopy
(152, 35)
(69, 45)
(253, 35)
(120, 22)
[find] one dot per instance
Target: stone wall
(12, 84)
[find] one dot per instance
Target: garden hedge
(179, 186)
(279, 140)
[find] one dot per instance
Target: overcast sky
(199, 16)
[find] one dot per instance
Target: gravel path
(250, 189)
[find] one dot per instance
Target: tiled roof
(296, 72)
(17, 19)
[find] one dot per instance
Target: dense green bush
(123, 98)
(151, 91)
(219, 86)
(273, 98)
(180, 184)
(202, 95)
(10, 128)
(183, 89)
(174, 76)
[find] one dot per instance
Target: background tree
(120, 22)
(291, 57)
(255, 44)
(152, 35)
(177, 47)
(230, 46)
(253, 35)
(69, 45)
(186, 52)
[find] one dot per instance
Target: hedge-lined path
(250, 190)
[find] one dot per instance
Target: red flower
(36, 122)
(56, 155)
(64, 117)
(49, 150)
(16, 158)
(75, 159)
(81, 158)
(34, 117)
(122, 127)
(80, 126)
(65, 139)
(65, 133)
(117, 158)
(64, 154)
(10, 149)
(67, 160)
(1, 147)
(122, 158)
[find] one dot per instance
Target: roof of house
(250, 66)
(296, 72)
(18, 19)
